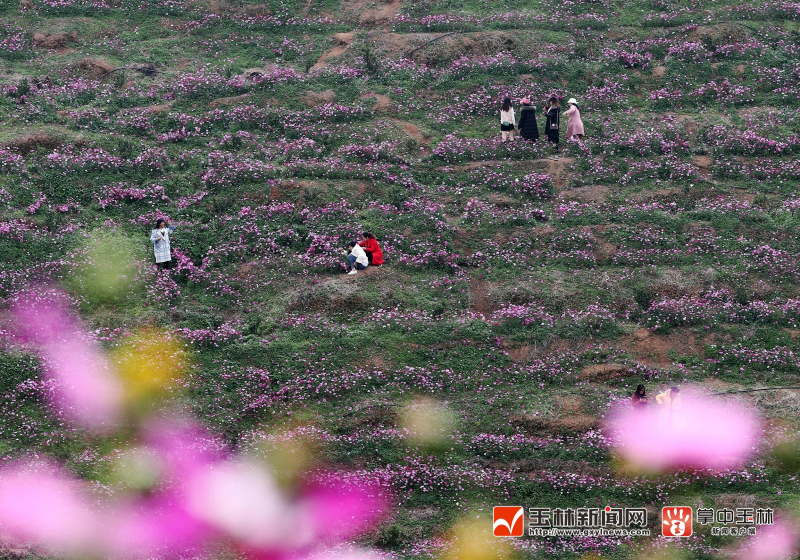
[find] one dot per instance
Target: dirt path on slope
(343, 42)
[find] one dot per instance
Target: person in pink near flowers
(575, 124)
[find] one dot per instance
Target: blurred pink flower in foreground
(180, 489)
(42, 505)
(701, 434)
(89, 393)
(776, 542)
(235, 499)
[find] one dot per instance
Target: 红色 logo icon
(676, 521)
(509, 521)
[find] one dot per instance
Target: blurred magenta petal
(89, 393)
(155, 523)
(773, 542)
(348, 553)
(243, 500)
(340, 513)
(47, 508)
(701, 434)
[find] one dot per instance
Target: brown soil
(603, 372)
(382, 102)
(95, 67)
(659, 71)
(568, 423)
(221, 7)
(55, 40)
(280, 191)
(314, 98)
(720, 33)
(227, 100)
(520, 353)
(559, 171)
(703, 162)
(343, 42)
(651, 349)
(740, 68)
(31, 142)
(156, 109)
(479, 300)
(413, 130)
(596, 194)
(370, 13)
(437, 49)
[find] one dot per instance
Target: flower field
(522, 301)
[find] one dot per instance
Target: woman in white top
(507, 119)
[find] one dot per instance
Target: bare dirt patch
(596, 194)
(156, 109)
(282, 190)
(95, 67)
(314, 98)
(382, 102)
(651, 349)
(479, 299)
(437, 49)
(659, 71)
(603, 372)
(703, 162)
(566, 423)
(54, 41)
(369, 13)
(718, 34)
(413, 130)
(227, 100)
(559, 171)
(32, 142)
(343, 42)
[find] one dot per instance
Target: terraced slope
(525, 294)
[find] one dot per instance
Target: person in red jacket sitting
(373, 250)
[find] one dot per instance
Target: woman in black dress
(528, 128)
(553, 124)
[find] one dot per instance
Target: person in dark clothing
(527, 127)
(552, 124)
(639, 400)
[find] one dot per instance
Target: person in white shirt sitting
(357, 258)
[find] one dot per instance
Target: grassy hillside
(523, 294)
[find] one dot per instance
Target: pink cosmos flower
(774, 542)
(44, 506)
(700, 434)
(89, 394)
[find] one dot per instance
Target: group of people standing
(528, 127)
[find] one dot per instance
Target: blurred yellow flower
(471, 539)
(148, 363)
(428, 422)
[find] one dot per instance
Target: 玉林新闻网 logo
(509, 521)
(676, 521)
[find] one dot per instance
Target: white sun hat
(572, 101)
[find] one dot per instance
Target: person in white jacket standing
(507, 119)
(160, 239)
(357, 258)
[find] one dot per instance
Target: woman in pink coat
(575, 124)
